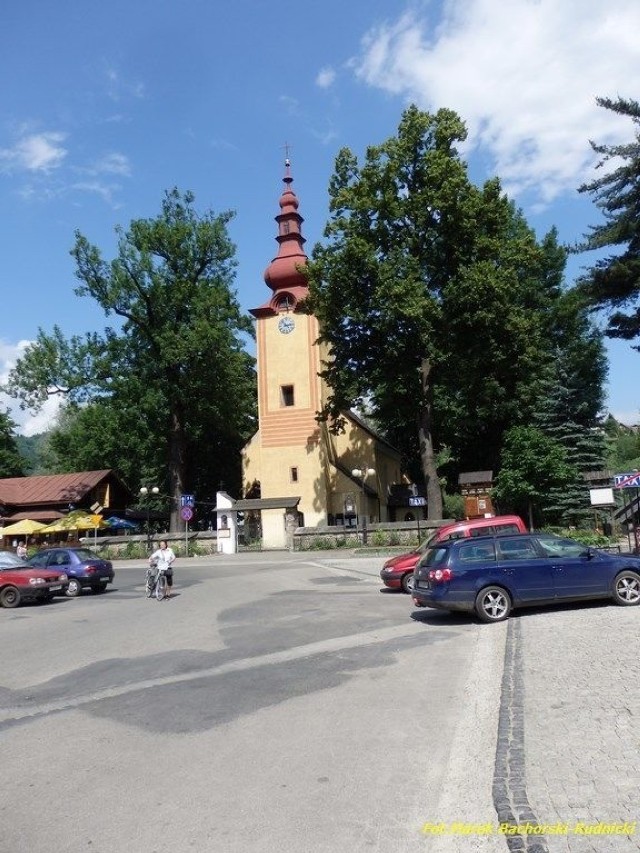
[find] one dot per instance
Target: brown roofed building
(48, 497)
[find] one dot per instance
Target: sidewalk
(581, 721)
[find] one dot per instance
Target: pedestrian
(163, 559)
(21, 551)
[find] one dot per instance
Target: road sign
(186, 513)
(627, 481)
(187, 500)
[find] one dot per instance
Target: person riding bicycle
(163, 559)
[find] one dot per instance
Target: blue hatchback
(84, 569)
(491, 575)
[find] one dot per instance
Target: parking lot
(277, 703)
(283, 702)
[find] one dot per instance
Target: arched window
(285, 302)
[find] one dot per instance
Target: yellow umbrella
(25, 527)
(77, 520)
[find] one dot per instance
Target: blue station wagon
(492, 575)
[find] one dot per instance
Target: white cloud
(326, 78)
(114, 164)
(26, 423)
(523, 75)
(36, 152)
(105, 191)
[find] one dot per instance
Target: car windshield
(435, 556)
(84, 554)
(422, 547)
(11, 561)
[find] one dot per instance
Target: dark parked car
(491, 575)
(84, 569)
(21, 582)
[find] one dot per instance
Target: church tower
(304, 474)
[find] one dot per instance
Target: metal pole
(364, 516)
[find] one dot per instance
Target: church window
(286, 395)
(285, 302)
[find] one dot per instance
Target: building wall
(291, 440)
(289, 437)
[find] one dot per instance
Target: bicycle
(156, 583)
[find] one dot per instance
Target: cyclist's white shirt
(164, 556)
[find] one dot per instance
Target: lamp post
(145, 491)
(363, 473)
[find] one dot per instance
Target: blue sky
(107, 105)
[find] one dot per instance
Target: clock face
(286, 325)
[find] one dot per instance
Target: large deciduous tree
(613, 283)
(11, 462)
(173, 382)
(434, 298)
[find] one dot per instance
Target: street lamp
(145, 492)
(363, 473)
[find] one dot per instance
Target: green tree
(571, 401)
(11, 462)
(434, 298)
(623, 446)
(613, 283)
(174, 380)
(531, 464)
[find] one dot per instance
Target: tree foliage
(613, 283)
(439, 306)
(169, 394)
(11, 462)
(532, 463)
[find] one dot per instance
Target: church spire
(283, 272)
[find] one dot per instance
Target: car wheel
(626, 588)
(493, 604)
(74, 589)
(407, 583)
(10, 596)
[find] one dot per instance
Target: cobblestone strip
(509, 780)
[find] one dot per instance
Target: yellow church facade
(298, 472)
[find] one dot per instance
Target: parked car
(21, 582)
(397, 572)
(84, 569)
(492, 575)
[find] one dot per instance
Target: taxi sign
(627, 481)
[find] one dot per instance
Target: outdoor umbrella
(22, 528)
(118, 523)
(77, 520)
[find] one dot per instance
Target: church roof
(283, 275)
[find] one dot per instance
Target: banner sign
(627, 481)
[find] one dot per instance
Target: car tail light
(440, 575)
(91, 570)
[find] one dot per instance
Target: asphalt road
(278, 703)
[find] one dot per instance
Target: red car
(397, 572)
(21, 582)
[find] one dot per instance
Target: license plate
(54, 588)
(104, 580)
(424, 585)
